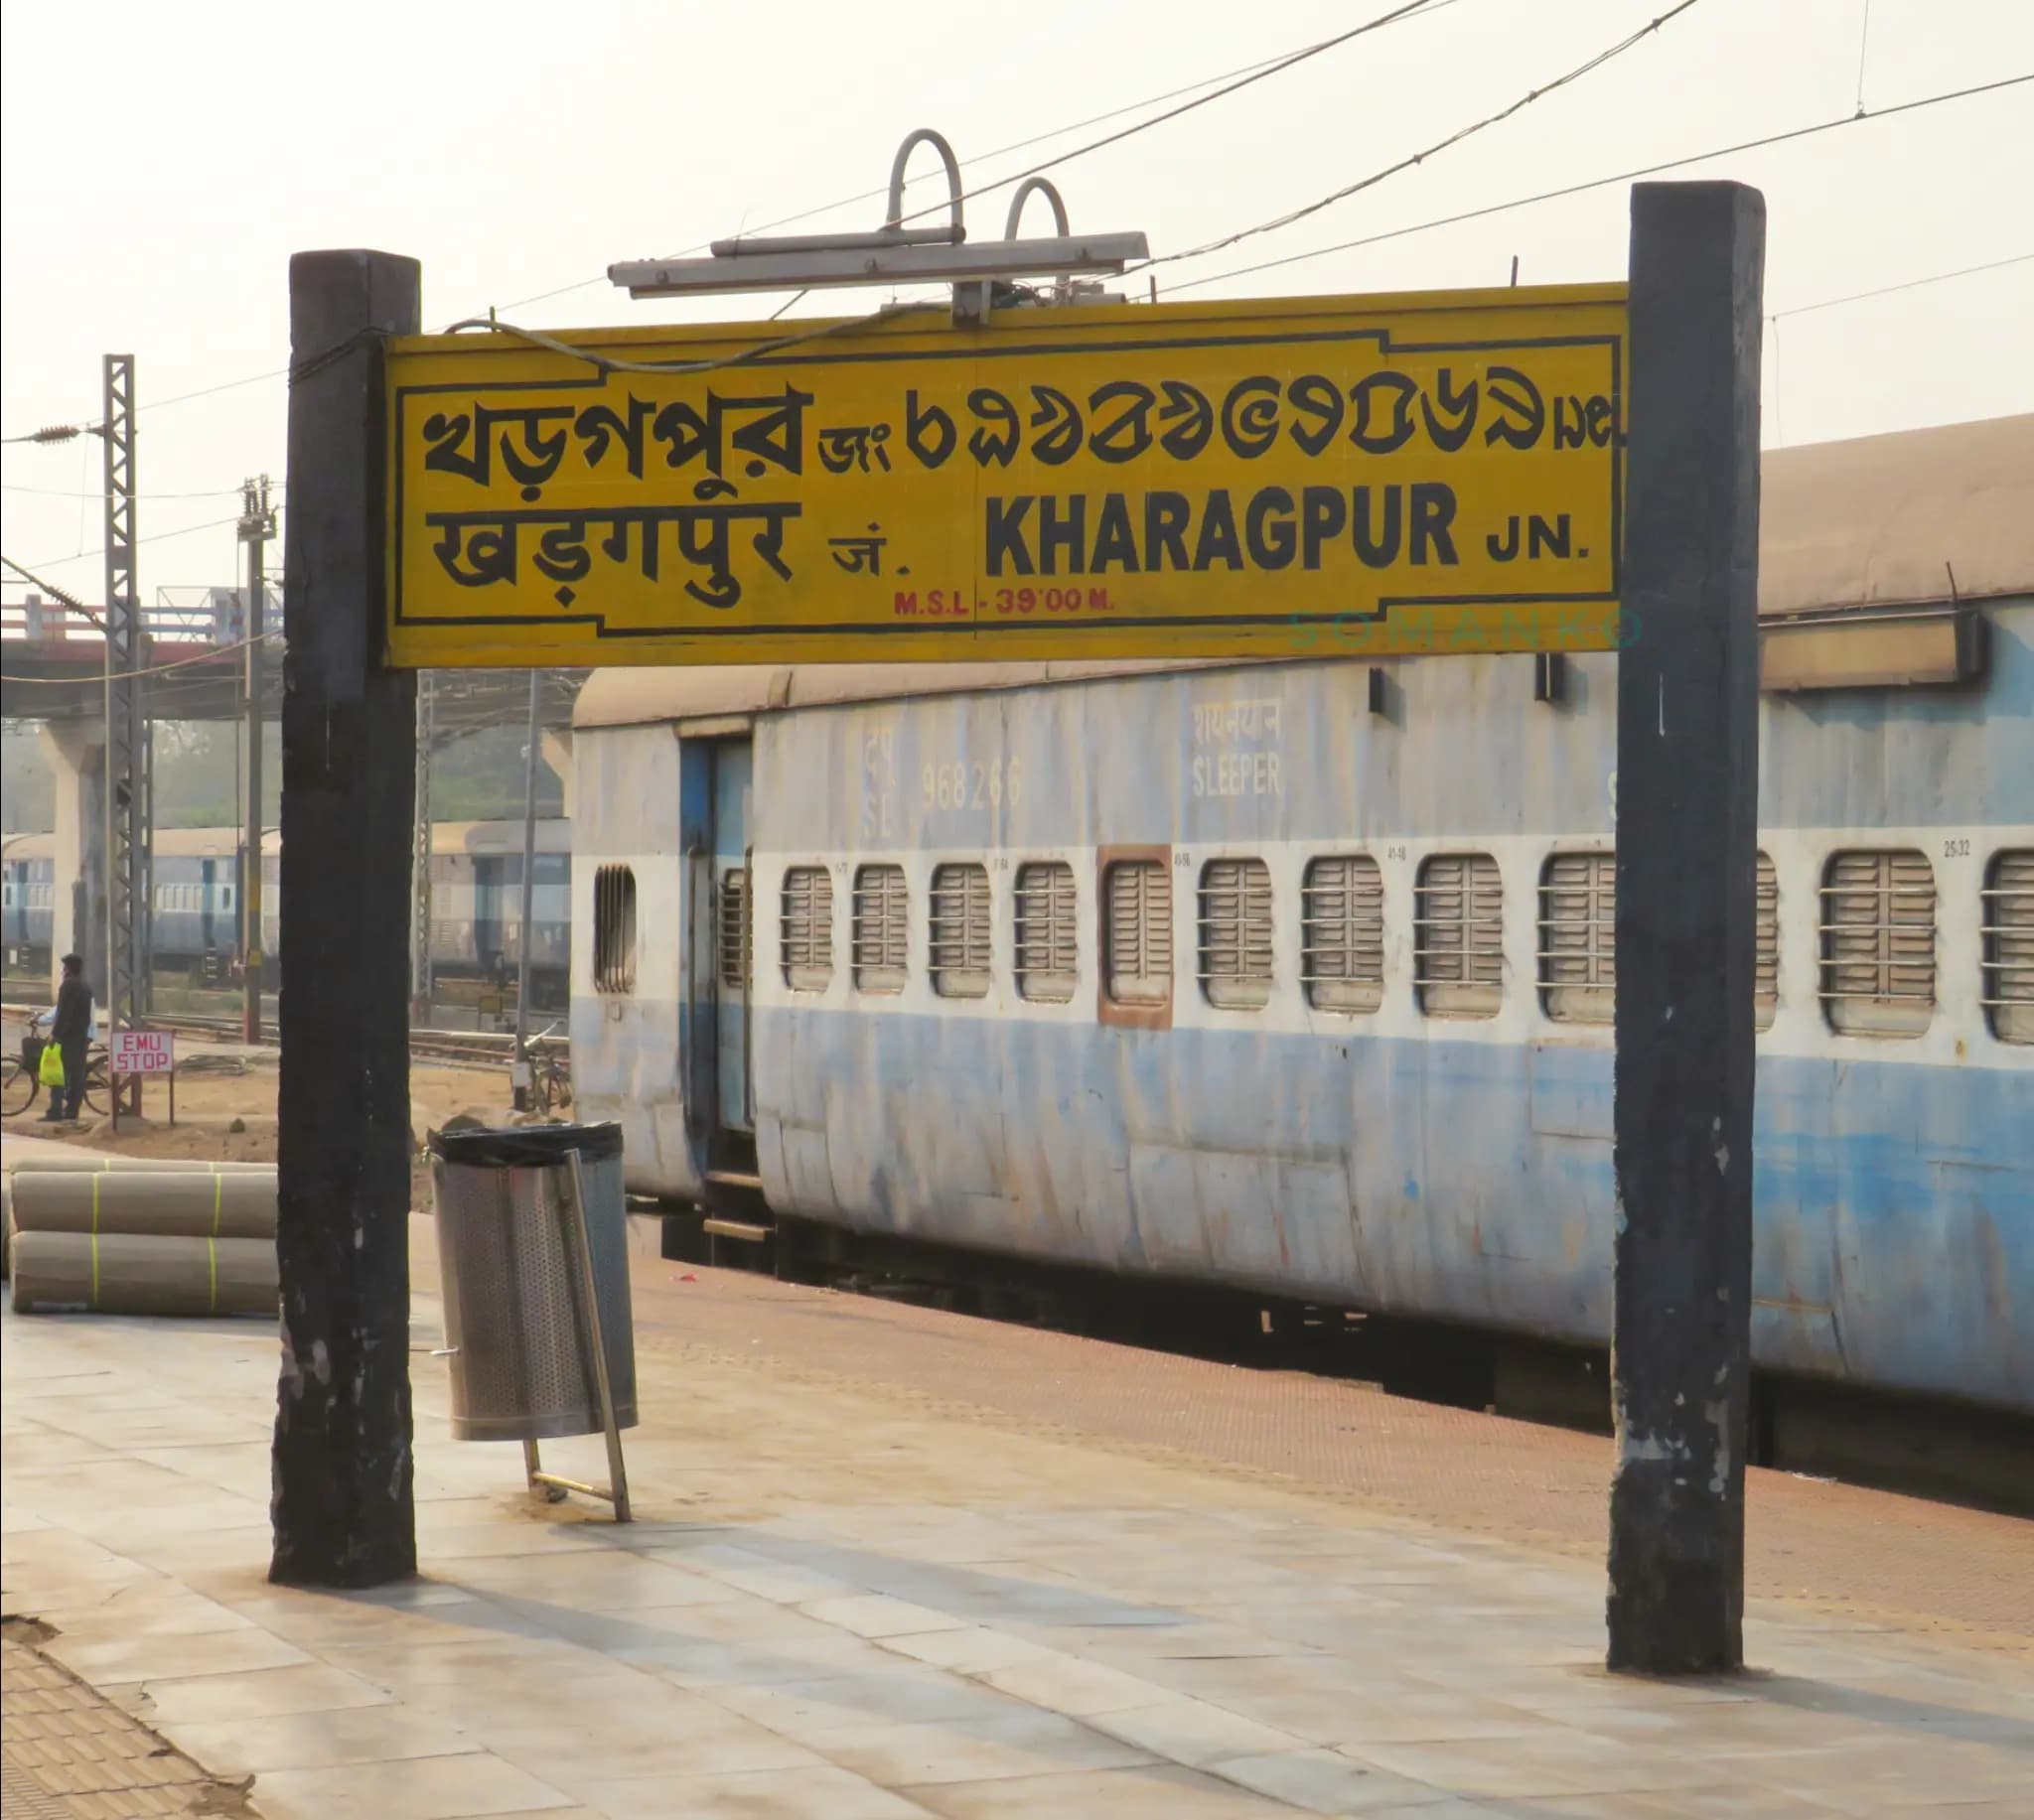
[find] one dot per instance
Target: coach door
(733, 935)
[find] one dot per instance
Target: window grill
(1047, 944)
(882, 928)
(1766, 944)
(960, 931)
(1140, 944)
(806, 928)
(1458, 953)
(1342, 933)
(2008, 923)
(1578, 936)
(733, 930)
(1878, 942)
(1235, 933)
(614, 928)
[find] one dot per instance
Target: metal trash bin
(511, 1279)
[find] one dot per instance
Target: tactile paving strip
(69, 1755)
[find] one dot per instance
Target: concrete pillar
(557, 751)
(77, 750)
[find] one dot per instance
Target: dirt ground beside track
(217, 1085)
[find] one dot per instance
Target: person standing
(71, 1031)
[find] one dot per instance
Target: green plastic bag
(51, 1068)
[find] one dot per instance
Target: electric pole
(257, 526)
(126, 837)
(420, 858)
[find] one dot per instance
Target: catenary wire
(608, 364)
(1909, 284)
(1277, 67)
(1604, 183)
(65, 493)
(1609, 55)
(209, 656)
(1234, 80)
(183, 530)
(1262, 66)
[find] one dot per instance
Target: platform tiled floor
(843, 1602)
(69, 1753)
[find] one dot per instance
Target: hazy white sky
(159, 163)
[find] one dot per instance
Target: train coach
(475, 899)
(1298, 977)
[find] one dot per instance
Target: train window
(808, 929)
(1458, 937)
(731, 929)
(1878, 942)
(2009, 926)
(614, 928)
(882, 928)
(1235, 933)
(1578, 936)
(1766, 945)
(1046, 904)
(1139, 943)
(1342, 933)
(961, 930)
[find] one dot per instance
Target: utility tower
(124, 990)
(257, 526)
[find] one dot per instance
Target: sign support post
(1688, 783)
(342, 1508)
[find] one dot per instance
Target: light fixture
(894, 253)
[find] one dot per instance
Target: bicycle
(550, 1071)
(21, 1079)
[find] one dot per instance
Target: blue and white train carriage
(475, 899)
(1263, 975)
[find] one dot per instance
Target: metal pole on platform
(344, 1506)
(125, 836)
(257, 526)
(520, 1064)
(1687, 775)
(420, 864)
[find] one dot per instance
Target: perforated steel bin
(512, 1280)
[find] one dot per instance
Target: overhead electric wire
(183, 530)
(1609, 55)
(1604, 183)
(1264, 66)
(606, 363)
(208, 655)
(64, 597)
(1909, 284)
(1277, 67)
(97, 493)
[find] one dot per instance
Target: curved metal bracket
(926, 135)
(1037, 186)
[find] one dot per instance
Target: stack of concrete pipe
(141, 1237)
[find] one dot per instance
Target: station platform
(894, 1562)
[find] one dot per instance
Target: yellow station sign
(1316, 475)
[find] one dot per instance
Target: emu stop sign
(143, 1052)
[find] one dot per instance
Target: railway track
(473, 1047)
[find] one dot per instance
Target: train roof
(1910, 519)
(553, 835)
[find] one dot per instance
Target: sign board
(143, 1052)
(1315, 475)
